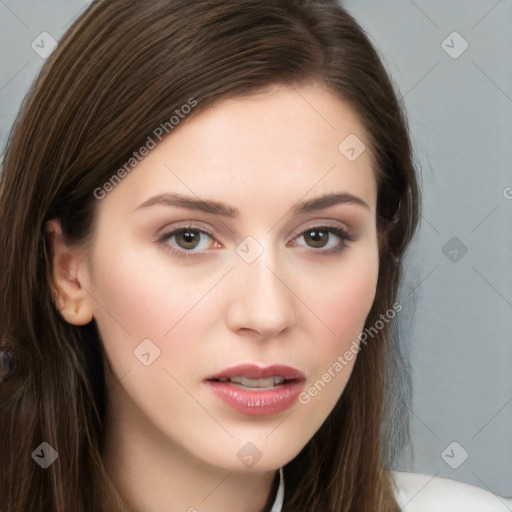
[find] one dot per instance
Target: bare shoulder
(417, 492)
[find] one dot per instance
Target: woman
(204, 210)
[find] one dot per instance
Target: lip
(253, 371)
(257, 402)
(254, 402)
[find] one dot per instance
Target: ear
(70, 297)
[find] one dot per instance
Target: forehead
(279, 143)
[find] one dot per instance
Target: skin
(171, 444)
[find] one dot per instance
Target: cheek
(142, 296)
(351, 303)
(342, 308)
(142, 293)
(343, 303)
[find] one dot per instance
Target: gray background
(457, 304)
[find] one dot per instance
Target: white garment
(278, 502)
(416, 492)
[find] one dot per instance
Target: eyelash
(343, 234)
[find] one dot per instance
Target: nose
(261, 301)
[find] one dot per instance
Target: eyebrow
(224, 210)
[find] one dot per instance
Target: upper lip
(253, 371)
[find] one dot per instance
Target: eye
(328, 238)
(187, 240)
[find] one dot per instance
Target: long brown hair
(121, 70)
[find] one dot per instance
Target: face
(181, 292)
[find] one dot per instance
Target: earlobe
(82, 316)
(69, 294)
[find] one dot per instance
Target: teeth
(267, 382)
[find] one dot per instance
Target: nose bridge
(262, 302)
(261, 276)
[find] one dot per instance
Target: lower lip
(254, 402)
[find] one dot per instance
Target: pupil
(190, 238)
(319, 237)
